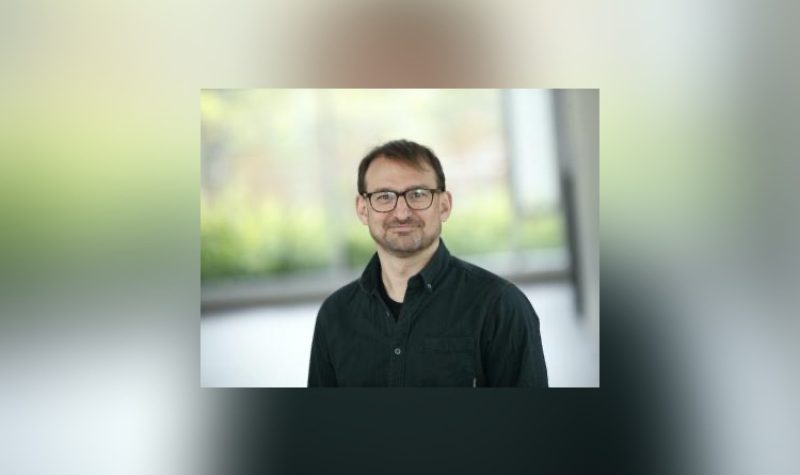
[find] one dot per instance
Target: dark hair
(407, 151)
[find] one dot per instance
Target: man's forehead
(387, 171)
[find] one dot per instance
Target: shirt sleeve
(513, 354)
(320, 370)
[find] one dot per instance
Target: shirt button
(430, 286)
(397, 351)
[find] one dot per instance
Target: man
(419, 316)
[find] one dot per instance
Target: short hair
(402, 150)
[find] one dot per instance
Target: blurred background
(100, 255)
(279, 231)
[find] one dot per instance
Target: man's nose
(401, 210)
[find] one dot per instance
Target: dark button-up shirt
(460, 325)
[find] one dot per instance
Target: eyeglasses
(416, 198)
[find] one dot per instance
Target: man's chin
(404, 247)
(396, 245)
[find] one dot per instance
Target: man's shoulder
(485, 279)
(343, 296)
(478, 274)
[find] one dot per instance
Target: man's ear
(445, 205)
(361, 209)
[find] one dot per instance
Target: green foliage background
(242, 240)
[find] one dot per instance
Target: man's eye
(384, 197)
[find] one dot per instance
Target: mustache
(406, 222)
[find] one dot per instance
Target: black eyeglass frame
(398, 194)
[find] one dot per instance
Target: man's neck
(395, 271)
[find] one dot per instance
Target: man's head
(402, 197)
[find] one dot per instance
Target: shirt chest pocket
(449, 361)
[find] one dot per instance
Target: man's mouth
(403, 227)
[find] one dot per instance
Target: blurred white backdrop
(270, 346)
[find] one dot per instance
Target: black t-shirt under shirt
(394, 307)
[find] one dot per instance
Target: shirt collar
(370, 278)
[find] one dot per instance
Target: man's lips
(403, 227)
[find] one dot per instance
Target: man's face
(403, 231)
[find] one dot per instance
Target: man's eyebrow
(413, 187)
